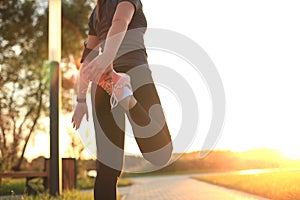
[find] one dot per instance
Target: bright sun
(291, 153)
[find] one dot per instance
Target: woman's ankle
(128, 102)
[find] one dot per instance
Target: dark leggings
(148, 125)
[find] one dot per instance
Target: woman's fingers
(94, 70)
(77, 123)
(76, 120)
(78, 116)
(73, 122)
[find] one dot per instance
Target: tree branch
(40, 100)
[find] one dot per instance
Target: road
(179, 187)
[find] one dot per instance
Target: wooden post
(54, 42)
(54, 55)
(46, 169)
(55, 161)
(69, 173)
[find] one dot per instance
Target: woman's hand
(94, 70)
(80, 110)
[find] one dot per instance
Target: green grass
(74, 195)
(66, 195)
(85, 183)
(12, 186)
(17, 187)
(282, 185)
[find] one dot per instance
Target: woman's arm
(117, 31)
(91, 50)
(115, 36)
(91, 47)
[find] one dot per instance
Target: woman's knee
(160, 157)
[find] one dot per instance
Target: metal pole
(54, 46)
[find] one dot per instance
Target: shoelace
(113, 100)
(110, 88)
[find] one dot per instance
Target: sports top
(134, 37)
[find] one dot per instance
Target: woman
(120, 75)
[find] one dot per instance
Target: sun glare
(253, 171)
(291, 153)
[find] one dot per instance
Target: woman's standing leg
(109, 128)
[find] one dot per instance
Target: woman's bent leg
(147, 119)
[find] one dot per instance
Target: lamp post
(54, 45)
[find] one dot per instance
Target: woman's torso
(132, 48)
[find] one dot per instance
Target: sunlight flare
(291, 153)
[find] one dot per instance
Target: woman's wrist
(81, 100)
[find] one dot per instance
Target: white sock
(127, 92)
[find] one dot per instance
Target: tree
(24, 84)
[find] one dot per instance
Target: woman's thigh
(145, 92)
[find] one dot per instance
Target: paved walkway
(179, 187)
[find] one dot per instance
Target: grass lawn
(284, 185)
(17, 186)
(69, 195)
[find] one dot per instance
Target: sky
(255, 46)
